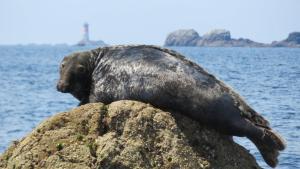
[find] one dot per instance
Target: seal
(167, 80)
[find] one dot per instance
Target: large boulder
(182, 37)
(124, 134)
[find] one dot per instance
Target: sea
(267, 78)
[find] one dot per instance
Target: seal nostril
(59, 87)
(62, 87)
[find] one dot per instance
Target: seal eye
(62, 65)
(80, 69)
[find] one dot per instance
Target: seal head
(74, 79)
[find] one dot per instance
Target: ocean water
(268, 78)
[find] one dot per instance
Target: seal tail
(269, 145)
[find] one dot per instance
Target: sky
(143, 22)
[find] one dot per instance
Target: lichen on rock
(124, 134)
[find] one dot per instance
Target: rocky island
(222, 38)
(293, 40)
(124, 134)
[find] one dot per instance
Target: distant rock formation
(214, 38)
(222, 38)
(217, 35)
(183, 37)
(123, 135)
(293, 40)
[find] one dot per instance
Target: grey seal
(167, 80)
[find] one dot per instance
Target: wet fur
(167, 80)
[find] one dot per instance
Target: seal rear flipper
(269, 145)
(269, 154)
(273, 139)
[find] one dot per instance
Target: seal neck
(95, 57)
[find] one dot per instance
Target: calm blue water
(268, 78)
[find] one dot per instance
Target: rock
(214, 38)
(294, 37)
(182, 37)
(241, 42)
(293, 40)
(222, 38)
(124, 134)
(217, 35)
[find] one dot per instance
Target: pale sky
(143, 22)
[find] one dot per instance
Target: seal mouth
(62, 88)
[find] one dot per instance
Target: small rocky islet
(222, 38)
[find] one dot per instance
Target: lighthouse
(85, 41)
(86, 32)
